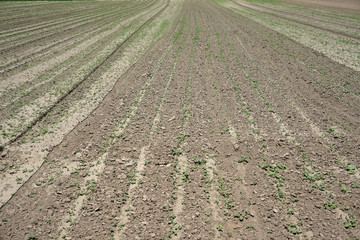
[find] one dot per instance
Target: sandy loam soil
(348, 5)
(330, 32)
(216, 127)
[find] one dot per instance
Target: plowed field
(179, 119)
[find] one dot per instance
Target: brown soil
(288, 18)
(304, 17)
(348, 5)
(221, 129)
(329, 32)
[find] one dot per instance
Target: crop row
(78, 74)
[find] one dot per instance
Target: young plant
(243, 159)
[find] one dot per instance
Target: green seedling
(345, 189)
(350, 223)
(329, 205)
(243, 159)
(199, 161)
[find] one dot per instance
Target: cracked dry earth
(217, 128)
